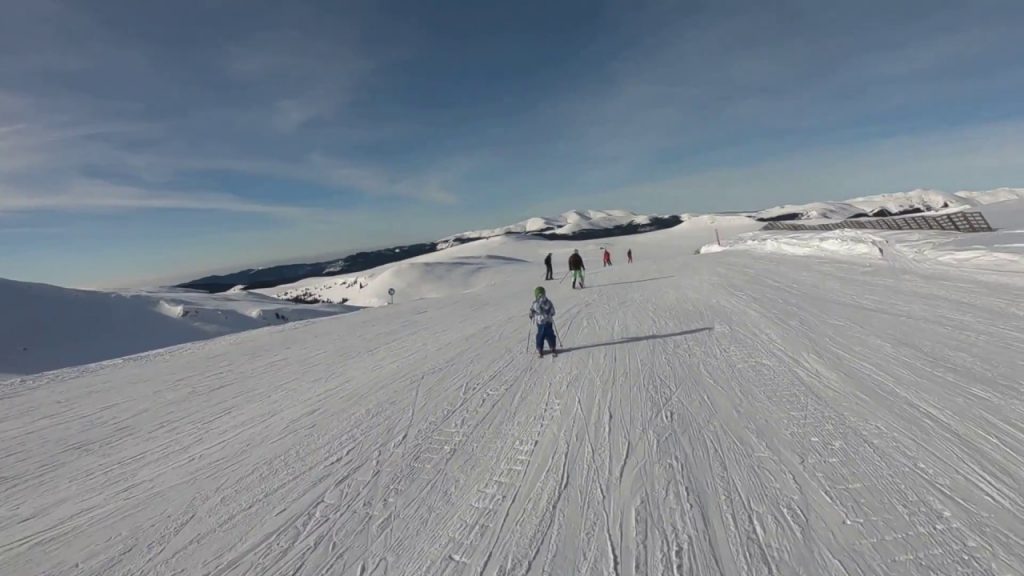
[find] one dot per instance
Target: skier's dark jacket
(576, 262)
(547, 260)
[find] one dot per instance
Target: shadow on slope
(631, 282)
(632, 339)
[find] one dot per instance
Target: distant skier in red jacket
(607, 257)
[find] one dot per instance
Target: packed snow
(751, 411)
(46, 327)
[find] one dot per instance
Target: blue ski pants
(545, 331)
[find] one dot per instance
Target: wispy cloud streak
(95, 195)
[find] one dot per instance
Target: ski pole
(528, 331)
(564, 276)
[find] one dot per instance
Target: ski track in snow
(786, 419)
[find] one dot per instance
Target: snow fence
(957, 222)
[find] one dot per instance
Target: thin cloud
(89, 195)
(432, 187)
(57, 159)
(303, 78)
(290, 114)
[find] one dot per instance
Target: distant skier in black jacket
(547, 264)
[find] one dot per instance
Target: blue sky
(144, 141)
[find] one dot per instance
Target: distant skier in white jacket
(543, 313)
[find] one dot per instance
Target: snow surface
(746, 412)
(46, 327)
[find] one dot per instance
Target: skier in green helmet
(543, 313)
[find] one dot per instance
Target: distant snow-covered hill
(575, 224)
(463, 269)
(896, 204)
(283, 274)
(47, 327)
(984, 197)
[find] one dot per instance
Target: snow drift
(854, 243)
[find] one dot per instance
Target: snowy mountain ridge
(879, 205)
(566, 224)
(916, 201)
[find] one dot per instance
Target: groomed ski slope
(730, 413)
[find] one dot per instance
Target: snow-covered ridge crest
(920, 200)
(984, 197)
(564, 224)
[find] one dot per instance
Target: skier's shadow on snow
(630, 282)
(632, 339)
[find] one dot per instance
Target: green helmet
(538, 292)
